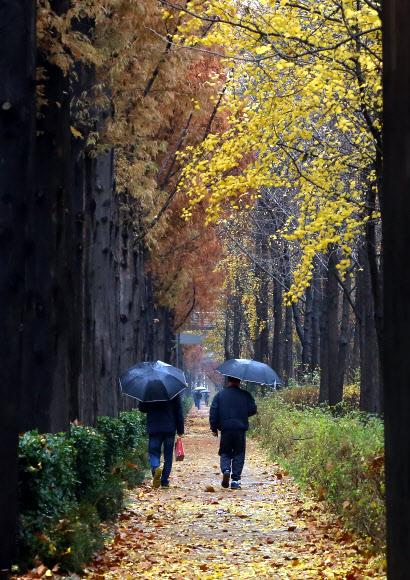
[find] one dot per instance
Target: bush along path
(198, 530)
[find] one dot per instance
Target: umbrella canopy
(152, 381)
(199, 389)
(249, 370)
(205, 391)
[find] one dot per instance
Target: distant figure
(197, 399)
(229, 414)
(206, 398)
(164, 418)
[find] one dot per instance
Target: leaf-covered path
(197, 530)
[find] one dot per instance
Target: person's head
(233, 381)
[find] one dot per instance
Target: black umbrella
(152, 381)
(249, 370)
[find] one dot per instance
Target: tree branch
(188, 313)
(257, 263)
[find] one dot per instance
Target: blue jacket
(164, 416)
(231, 408)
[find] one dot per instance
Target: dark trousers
(232, 449)
(155, 443)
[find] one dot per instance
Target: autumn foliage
(150, 102)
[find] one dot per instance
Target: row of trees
(331, 326)
(102, 105)
(294, 184)
(95, 105)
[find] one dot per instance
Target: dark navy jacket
(231, 408)
(164, 416)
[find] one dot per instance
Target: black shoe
(225, 478)
(235, 485)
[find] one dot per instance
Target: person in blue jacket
(164, 418)
(229, 414)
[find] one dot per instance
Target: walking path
(198, 530)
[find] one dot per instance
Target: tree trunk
(370, 377)
(227, 335)
(315, 361)
(329, 391)
(261, 342)
(17, 133)
(335, 390)
(324, 346)
(344, 337)
(288, 346)
(277, 344)
(49, 322)
(288, 332)
(236, 307)
(355, 354)
(375, 264)
(396, 236)
(307, 332)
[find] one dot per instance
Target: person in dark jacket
(197, 399)
(229, 414)
(164, 418)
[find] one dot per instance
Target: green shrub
(47, 483)
(101, 489)
(351, 396)
(69, 540)
(47, 474)
(187, 404)
(107, 496)
(306, 396)
(67, 486)
(114, 435)
(134, 464)
(305, 378)
(90, 457)
(340, 458)
(309, 395)
(79, 537)
(134, 427)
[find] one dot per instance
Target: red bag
(179, 450)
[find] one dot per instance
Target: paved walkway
(198, 530)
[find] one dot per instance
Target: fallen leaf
(145, 565)
(295, 562)
(210, 488)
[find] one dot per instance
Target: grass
(339, 458)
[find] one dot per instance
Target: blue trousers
(155, 443)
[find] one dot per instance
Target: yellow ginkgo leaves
(304, 106)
